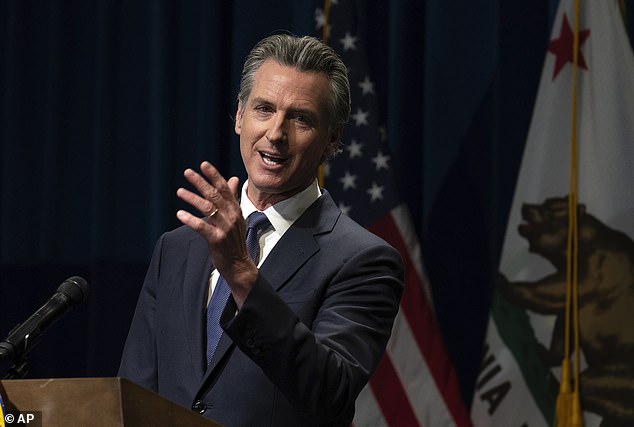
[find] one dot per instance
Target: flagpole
(568, 404)
(576, 417)
(324, 37)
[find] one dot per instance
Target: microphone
(24, 336)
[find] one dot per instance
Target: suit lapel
(225, 345)
(298, 243)
(197, 271)
(295, 248)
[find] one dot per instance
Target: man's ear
(335, 135)
(333, 144)
(238, 122)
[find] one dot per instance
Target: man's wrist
(242, 283)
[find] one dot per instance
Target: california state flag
(521, 366)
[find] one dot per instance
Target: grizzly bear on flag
(606, 303)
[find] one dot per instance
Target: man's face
(284, 131)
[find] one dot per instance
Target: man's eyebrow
(260, 100)
(293, 110)
(303, 111)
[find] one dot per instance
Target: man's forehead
(273, 79)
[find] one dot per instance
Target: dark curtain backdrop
(104, 103)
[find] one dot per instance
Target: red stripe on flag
(417, 310)
(395, 405)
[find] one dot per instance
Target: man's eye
(302, 119)
(263, 109)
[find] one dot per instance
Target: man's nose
(277, 130)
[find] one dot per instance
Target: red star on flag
(562, 47)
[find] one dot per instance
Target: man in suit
(305, 323)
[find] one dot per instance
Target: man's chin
(272, 189)
(266, 185)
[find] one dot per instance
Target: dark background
(104, 103)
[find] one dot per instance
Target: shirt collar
(283, 214)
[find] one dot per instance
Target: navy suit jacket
(302, 347)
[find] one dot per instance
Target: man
(302, 333)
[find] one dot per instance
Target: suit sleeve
(321, 368)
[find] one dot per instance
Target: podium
(96, 402)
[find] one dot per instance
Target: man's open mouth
(271, 159)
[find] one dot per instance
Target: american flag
(415, 383)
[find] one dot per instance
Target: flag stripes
(426, 363)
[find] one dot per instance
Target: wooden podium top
(96, 402)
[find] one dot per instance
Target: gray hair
(306, 54)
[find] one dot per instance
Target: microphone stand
(15, 348)
(18, 370)
(19, 363)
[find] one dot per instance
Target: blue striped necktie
(256, 222)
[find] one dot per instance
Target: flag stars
(345, 209)
(354, 149)
(380, 161)
(360, 117)
(320, 18)
(320, 21)
(375, 192)
(348, 42)
(563, 47)
(367, 86)
(348, 181)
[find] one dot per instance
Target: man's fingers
(216, 180)
(214, 198)
(193, 222)
(211, 185)
(203, 205)
(234, 186)
(203, 187)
